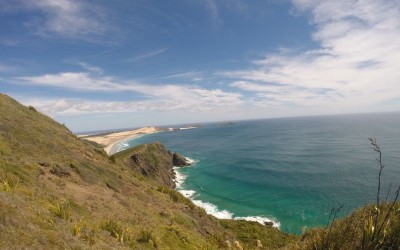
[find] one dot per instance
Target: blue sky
(115, 64)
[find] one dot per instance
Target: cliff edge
(61, 192)
(153, 161)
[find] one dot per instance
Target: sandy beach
(109, 140)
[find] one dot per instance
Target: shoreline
(213, 209)
(108, 141)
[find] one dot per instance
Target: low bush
(61, 209)
(147, 236)
(32, 108)
(117, 230)
(9, 183)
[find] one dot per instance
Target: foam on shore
(191, 161)
(210, 208)
(225, 214)
(179, 176)
(187, 128)
(260, 219)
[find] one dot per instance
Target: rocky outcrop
(156, 162)
(179, 161)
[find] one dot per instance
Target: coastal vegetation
(374, 226)
(58, 191)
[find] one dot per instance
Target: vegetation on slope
(375, 226)
(356, 230)
(150, 160)
(60, 192)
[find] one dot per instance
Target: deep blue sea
(289, 170)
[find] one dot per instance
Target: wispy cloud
(146, 55)
(356, 64)
(64, 18)
(157, 97)
(192, 75)
(6, 68)
(90, 68)
(10, 42)
(212, 8)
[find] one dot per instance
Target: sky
(108, 64)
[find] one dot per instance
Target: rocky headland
(154, 161)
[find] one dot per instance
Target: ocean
(291, 171)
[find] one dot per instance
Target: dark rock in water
(268, 223)
(179, 161)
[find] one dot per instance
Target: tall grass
(9, 183)
(376, 226)
(61, 209)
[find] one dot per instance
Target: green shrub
(147, 236)
(60, 170)
(179, 233)
(9, 183)
(248, 232)
(32, 108)
(176, 196)
(61, 209)
(118, 231)
(112, 158)
(88, 236)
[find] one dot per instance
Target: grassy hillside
(60, 192)
(358, 231)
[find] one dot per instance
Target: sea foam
(191, 161)
(260, 219)
(179, 177)
(224, 214)
(187, 128)
(210, 208)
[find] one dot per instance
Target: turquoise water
(292, 170)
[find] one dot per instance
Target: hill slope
(57, 191)
(60, 192)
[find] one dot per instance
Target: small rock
(268, 223)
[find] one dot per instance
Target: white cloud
(157, 97)
(65, 18)
(276, 94)
(356, 64)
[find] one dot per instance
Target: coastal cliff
(153, 161)
(58, 191)
(61, 192)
